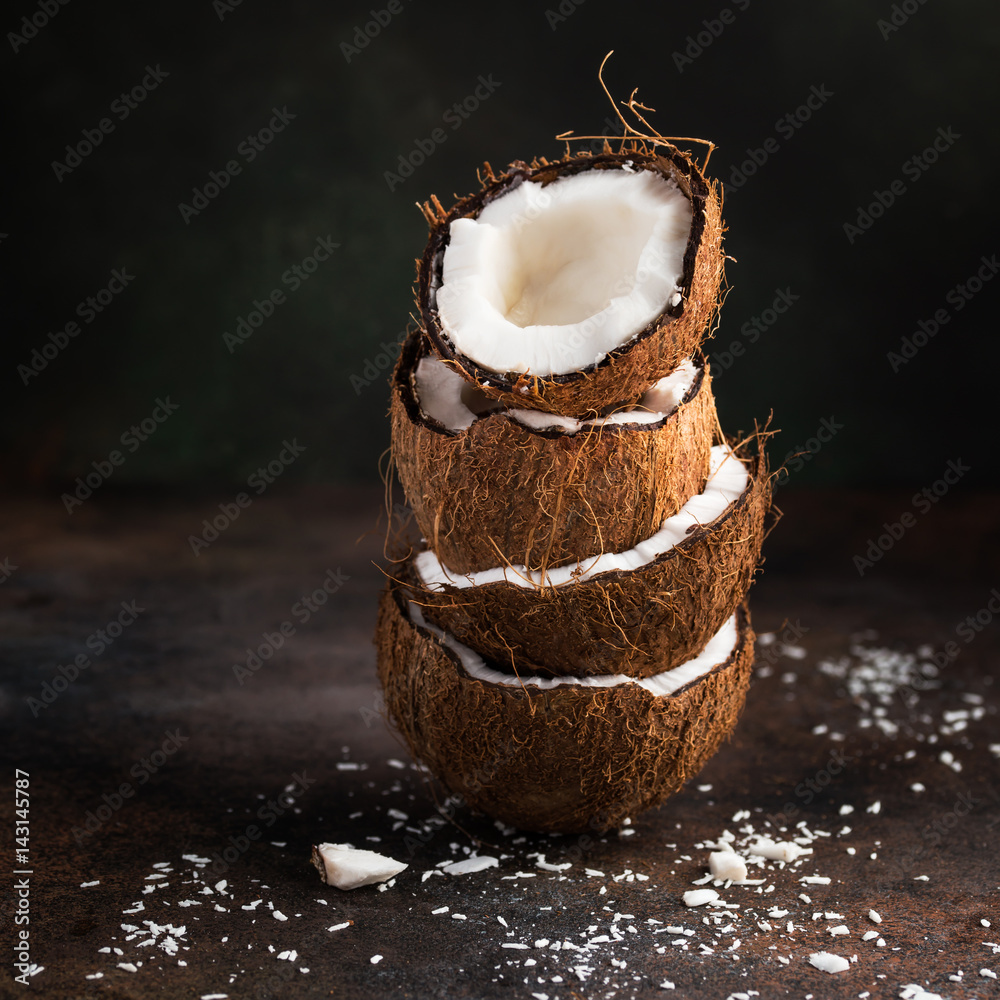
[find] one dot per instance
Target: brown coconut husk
(636, 623)
(502, 493)
(565, 760)
(626, 373)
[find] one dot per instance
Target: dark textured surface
(314, 704)
(351, 165)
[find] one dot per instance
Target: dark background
(325, 175)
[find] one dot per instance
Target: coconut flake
(548, 280)
(346, 867)
(787, 851)
(827, 962)
(699, 897)
(473, 864)
(727, 480)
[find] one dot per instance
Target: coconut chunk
(699, 897)
(727, 865)
(776, 851)
(550, 279)
(827, 962)
(346, 867)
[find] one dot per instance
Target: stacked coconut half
(570, 642)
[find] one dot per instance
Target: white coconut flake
(718, 649)
(550, 279)
(727, 480)
(787, 850)
(699, 897)
(474, 864)
(346, 867)
(827, 962)
(874, 916)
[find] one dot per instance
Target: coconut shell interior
(565, 760)
(636, 623)
(626, 373)
(502, 493)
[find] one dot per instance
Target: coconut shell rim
(402, 383)
(743, 631)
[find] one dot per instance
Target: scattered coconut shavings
(827, 962)
(347, 867)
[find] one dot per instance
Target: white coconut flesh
(548, 280)
(455, 403)
(727, 481)
(716, 652)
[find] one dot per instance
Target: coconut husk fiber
(568, 759)
(636, 622)
(624, 374)
(499, 492)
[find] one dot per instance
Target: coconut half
(636, 612)
(560, 756)
(576, 285)
(493, 485)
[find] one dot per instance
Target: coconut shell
(502, 493)
(567, 759)
(636, 623)
(626, 373)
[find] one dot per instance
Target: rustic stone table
(173, 800)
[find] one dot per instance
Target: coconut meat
(549, 279)
(718, 649)
(728, 478)
(347, 867)
(452, 401)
